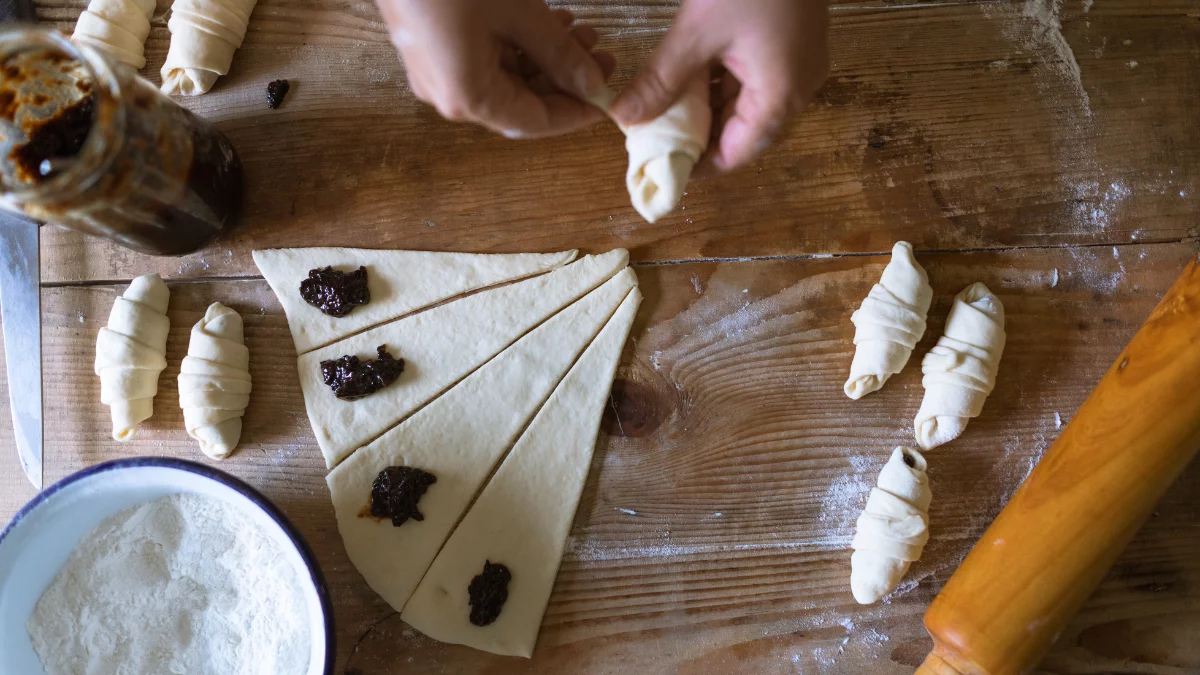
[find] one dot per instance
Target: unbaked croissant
(960, 370)
(116, 27)
(889, 323)
(893, 528)
(663, 152)
(130, 353)
(214, 381)
(204, 36)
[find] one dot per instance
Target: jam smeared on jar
(335, 293)
(54, 141)
(275, 93)
(352, 379)
(396, 492)
(488, 592)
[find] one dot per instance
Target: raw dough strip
(118, 28)
(214, 381)
(130, 353)
(204, 36)
(892, 530)
(399, 282)
(960, 370)
(663, 151)
(524, 514)
(889, 323)
(459, 438)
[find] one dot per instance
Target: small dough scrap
(960, 370)
(118, 28)
(204, 36)
(892, 530)
(131, 352)
(889, 323)
(214, 381)
(663, 151)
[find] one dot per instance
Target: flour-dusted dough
(130, 353)
(663, 152)
(204, 36)
(439, 347)
(214, 381)
(523, 516)
(399, 282)
(960, 370)
(893, 528)
(889, 323)
(459, 438)
(117, 28)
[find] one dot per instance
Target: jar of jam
(89, 145)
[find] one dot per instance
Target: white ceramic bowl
(42, 535)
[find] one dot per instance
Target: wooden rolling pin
(1059, 534)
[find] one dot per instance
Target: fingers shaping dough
(893, 528)
(663, 151)
(960, 370)
(214, 381)
(116, 27)
(130, 353)
(204, 36)
(889, 323)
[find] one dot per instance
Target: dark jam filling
(908, 459)
(57, 138)
(335, 293)
(396, 492)
(275, 93)
(488, 592)
(351, 379)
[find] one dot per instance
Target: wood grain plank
(953, 125)
(713, 532)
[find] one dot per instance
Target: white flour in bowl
(183, 584)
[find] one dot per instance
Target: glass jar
(91, 146)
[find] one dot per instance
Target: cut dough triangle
(439, 346)
(399, 282)
(523, 516)
(458, 438)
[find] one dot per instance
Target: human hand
(772, 56)
(513, 66)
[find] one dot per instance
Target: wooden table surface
(1048, 149)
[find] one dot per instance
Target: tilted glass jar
(93, 147)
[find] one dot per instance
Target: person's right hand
(513, 66)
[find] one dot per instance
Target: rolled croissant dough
(960, 370)
(117, 28)
(214, 381)
(130, 353)
(459, 438)
(204, 36)
(523, 515)
(889, 323)
(893, 528)
(440, 346)
(399, 282)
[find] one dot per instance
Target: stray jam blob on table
(351, 378)
(488, 592)
(276, 90)
(396, 492)
(335, 293)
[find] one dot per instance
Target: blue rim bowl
(65, 506)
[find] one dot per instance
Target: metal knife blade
(21, 315)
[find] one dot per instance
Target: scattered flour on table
(182, 584)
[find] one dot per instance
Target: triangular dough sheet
(399, 281)
(459, 438)
(523, 516)
(439, 347)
